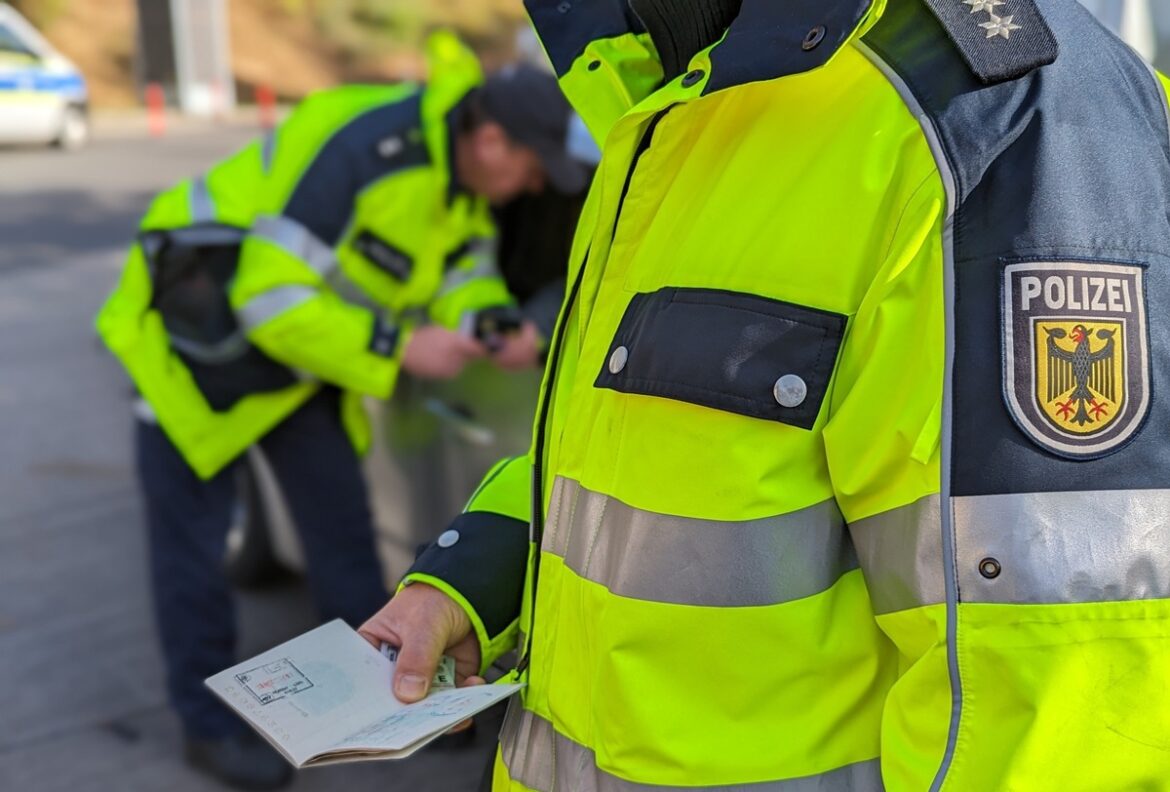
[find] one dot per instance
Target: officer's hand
(520, 350)
(424, 623)
(434, 352)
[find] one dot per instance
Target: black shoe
(241, 762)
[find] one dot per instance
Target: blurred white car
(43, 97)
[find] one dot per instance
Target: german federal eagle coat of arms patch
(1076, 358)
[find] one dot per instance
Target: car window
(10, 43)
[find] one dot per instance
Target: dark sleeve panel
(484, 559)
(1066, 166)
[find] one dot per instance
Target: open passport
(325, 697)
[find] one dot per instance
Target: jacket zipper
(550, 387)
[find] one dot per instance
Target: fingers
(422, 622)
(413, 622)
(374, 639)
(463, 726)
(469, 346)
(379, 629)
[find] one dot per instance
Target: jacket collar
(777, 38)
(766, 42)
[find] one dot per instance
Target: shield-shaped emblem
(1076, 362)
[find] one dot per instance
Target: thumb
(418, 659)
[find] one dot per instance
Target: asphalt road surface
(82, 705)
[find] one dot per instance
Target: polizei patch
(1076, 360)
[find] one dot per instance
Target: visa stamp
(274, 681)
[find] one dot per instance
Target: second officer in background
(263, 300)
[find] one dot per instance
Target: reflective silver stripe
(268, 150)
(297, 241)
(686, 561)
(901, 555)
(202, 204)
(205, 235)
(1052, 548)
(268, 305)
(225, 351)
(1064, 547)
(144, 412)
(461, 277)
(543, 760)
(350, 292)
(483, 252)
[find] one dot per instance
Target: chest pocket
(741, 353)
(394, 262)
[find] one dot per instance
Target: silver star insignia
(999, 26)
(983, 5)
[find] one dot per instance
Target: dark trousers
(188, 519)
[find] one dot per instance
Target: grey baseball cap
(528, 104)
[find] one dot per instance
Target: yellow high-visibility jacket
(852, 469)
(350, 229)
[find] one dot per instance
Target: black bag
(191, 269)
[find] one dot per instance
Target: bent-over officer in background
(264, 299)
(852, 470)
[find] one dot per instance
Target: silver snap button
(617, 361)
(391, 147)
(790, 391)
(448, 538)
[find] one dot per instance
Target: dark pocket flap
(741, 353)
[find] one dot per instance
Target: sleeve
(471, 280)
(602, 56)
(283, 291)
(482, 559)
(883, 439)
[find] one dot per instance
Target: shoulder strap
(1000, 40)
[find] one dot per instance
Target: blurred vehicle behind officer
(43, 95)
(265, 298)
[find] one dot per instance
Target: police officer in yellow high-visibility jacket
(852, 470)
(265, 298)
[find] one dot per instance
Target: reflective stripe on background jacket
(356, 231)
(853, 459)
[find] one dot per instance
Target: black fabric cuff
(384, 341)
(483, 556)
